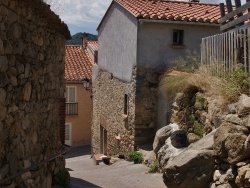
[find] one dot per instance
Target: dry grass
(214, 87)
(171, 84)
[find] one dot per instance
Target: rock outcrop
(219, 152)
(161, 136)
(232, 146)
(192, 167)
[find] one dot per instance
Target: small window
(178, 36)
(68, 134)
(96, 57)
(126, 104)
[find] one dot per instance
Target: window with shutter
(70, 94)
(68, 133)
(71, 104)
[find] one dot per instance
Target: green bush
(198, 129)
(154, 167)
(136, 157)
(237, 83)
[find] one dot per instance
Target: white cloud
(82, 12)
(87, 14)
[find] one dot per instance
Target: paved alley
(122, 174)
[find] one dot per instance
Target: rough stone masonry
(32, 40)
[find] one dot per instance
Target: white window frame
(67, 94)
(68, 142)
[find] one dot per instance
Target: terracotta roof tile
(172, 10)
(93, 45)
(78, 64)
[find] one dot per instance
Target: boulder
(204, 143)
(217, 175)
(179, 139)
(232, 108)
(243, 178)
(192, 138)
(167, 152)
(248, 122)
(161, 136)
(233, 118)
(190, 169)
(231, 143)
(243, 105)
(150, 158)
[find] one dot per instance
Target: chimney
(84, 40)
(194, 1)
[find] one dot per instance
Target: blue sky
(85, 15)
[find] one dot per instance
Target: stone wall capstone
(31, 88)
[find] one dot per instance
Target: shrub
(190, 63)
(237, 83)
(154, 167)
(198, 129)
(136, 157)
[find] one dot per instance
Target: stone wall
(108, 105)
(31, 88)
(146, 104)
(108, 110)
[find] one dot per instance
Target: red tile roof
(172, 10)
(93, 45)
(78, 64)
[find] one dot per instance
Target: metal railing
(71, 108)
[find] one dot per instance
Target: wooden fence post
(238, 4)
(229, 8)
(249, 8)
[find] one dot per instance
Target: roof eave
(179, 22)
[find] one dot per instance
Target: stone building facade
(135, 46)
(32, 40)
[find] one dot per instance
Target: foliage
(154, 167)
(62, 178)
(198, 129)
(190, 63)
(192, 118)
(77, 38)
(190, 93)
(199, 102)
(136, 157)
(237, 83)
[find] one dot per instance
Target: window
(71, 104)
(125, 114)
(70, 94)
(96, 57)
(178, 36)
(68, 134)
(126, 104)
